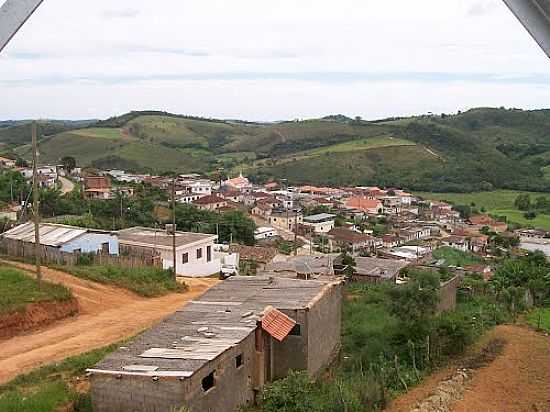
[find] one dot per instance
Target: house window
(208, 382)
(239, 361)
(185, 258)
(199, 253)
(296, 330)
(208, 253)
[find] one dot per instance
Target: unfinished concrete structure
(219, 351)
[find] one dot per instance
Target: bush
(295, 393)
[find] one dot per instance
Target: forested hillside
(480, 149)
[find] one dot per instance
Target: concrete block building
(217, 353)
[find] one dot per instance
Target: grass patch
(52, 386)
(541, 221)
(360, 144)
(540, 319)
(454, 257)
(497, 202)
(17, 290)
(102, 132)
(145, 281)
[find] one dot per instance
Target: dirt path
(107, 314)
(66, 185)
(517, 380)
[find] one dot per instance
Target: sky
(270, 60)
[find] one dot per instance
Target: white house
(321, 223)
(195, 254)
(265, 232)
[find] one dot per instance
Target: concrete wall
(447, 294)
(92, 242)
(324, 330)
(291, 353)
(233, 387)
(110, 394)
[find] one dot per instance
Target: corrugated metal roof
(277, 324)
(50, 234)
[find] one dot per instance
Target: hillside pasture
(497, 202)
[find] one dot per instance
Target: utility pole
(174, 226)
(35, 206)
(295, 232)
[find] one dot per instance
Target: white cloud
(92, 59)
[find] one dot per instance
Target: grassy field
(146, 281)
(52, 387)
(540, 318)
(18, 290)
(360, 144)
(498, 202)
(105, 133)
(455, 257)
(382, 166)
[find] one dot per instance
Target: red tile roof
(208, 200)
(277, 324)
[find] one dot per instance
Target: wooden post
(35, 206)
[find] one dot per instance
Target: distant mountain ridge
(479, 149)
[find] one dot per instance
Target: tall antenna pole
(174, 226)
(35, 205)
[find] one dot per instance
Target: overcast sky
(270, 60)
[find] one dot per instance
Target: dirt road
(66, 185)
(107, 314)
(516, 381)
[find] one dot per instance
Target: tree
(523, 201)
(69, 163)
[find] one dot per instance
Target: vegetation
(540, 319)
(482, 149)
(500, 203)
(148, 207)
(53, 386)
(145, 281)
(392, 337)
(454, 257)
(17, 290)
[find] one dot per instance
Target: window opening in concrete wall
(296, 330)
(208, 382)
(239, 360)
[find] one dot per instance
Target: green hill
(480, 149)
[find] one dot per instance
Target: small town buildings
(6, 163)
(304, 267)
(9, 213)
(201, 187)
(481, 221)
(64, 238)
(456, 242)
(375, 270)
(212, 202)
(263, 208)
(254, 258)
(286, 219)
(97, 187)
(240, 183)
(265, 232)
(231, 195)
(345, 239)
(195, 255)
(365, 204)
(219, 351)
(320, 223)
(408, 253)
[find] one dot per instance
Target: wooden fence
(53, 256)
